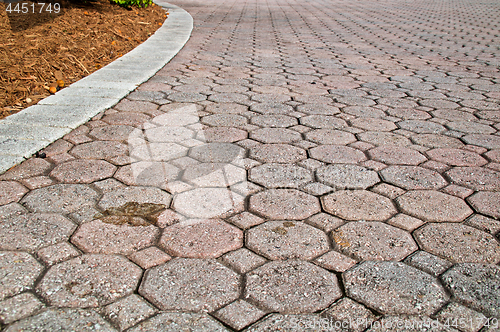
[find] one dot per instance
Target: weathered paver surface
(297, 164)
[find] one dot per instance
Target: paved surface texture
(298, 166)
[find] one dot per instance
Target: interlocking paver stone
(476, 178)
(201, 238)
(354, 317)
(121, 196)
(292, 286)
(395, 155)
(280, 176)
(173, 322)
(190, 285)
(330, 136)
(83, 171)
(384, 138)
(284, 204)
(337, 154)
(275, 135)
(431, 205)
(239, 314)
(456, 157)
(18, 307)
(129, 311)
(99, 150)
(394, 288)
(458, 243)
(64, 319)
(207, 203)
(63, 198)
(19, 271)
(373, 241)
(11, 192)
(322, 122)
(475, 285)
(277, 153)
(29, 168)
(347, 176)
(486, 141)
(29, 232)
(57, 253)
(437, 141)
(413, 177)
(428, 263)
(422, 127)
(287, 240)
(358, 205)
(100, 237)
(89, 281)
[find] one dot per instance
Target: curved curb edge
(34, 128)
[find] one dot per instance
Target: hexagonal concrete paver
(222, 135)
(199, 238)
(456, 157)
(486, 141)
(168, 134)
(458, 243)
(157, 151)
(373, 241)
(330, 137)
(292, 286)
(174, 322)
(89, 281)
(208, 203)
(372, 124)
(477, 178)
(63, 319)
(384, 138)
(347, 176)
(275, 135)
(323, 121)
(100, 149)
(280, 176)
(29, 168)
(358, 205)
(18, 272)
(83, 171)
(32, 231)
(395, 155)
(188, 284)
(11, 192)
(112, 133)
(475, 285)
(284, 204)
(337, 154)
(274, 121)
(98, 237)
(216, 152)
(122, 196)
(287, 240)
(431, 205)
(486, 202)
(277, 153)
(394, 288)
(60, 198)
(404, 323)
(413, 177)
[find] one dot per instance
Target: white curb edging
(34, 128)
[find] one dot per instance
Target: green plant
(130, 3)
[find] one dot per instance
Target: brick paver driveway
(299, 166)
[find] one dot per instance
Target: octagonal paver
(337, 154)
(18, 272)
(477, 178)
(476, 286)
(112, 133)
(83, 171)
(292, 286)
(208, 203)
(456, 157)
(60, 198)
(486, 141)
(198, 238)
(413, 177)
(11, 192)
(422, 127)
(437, 141)
(373, 241)
(191, 285)
(274, 121)
(174, 322)
(275, 135)
(222, 135)
(458, 243)
(89, 281)
(158, 151)
(373, 124)
(122, 196)
(384, 138)
(99, 237)
(431, 205)
(32, 231)
(323, 121)
(394, 288)
(146, 173)
(486, 202)
(330, 137)
(168, 134)
(100, 149)
(225, 120)
(284, 204)
(358, 205)
(277, 153)
(395, 155)
(64, 319)
(216, 152)
(280, 176)
(347, 176)
(287, 240)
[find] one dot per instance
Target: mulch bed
(37, 49)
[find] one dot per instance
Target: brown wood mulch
(37, 49)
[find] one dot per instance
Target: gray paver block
(284, 204)
(190, 285)
(19, 270)
(347, 176)
(280, 286)
(18, 307)
(413, 177)
(406, 290)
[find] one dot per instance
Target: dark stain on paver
(132, 213)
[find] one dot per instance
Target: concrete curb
(24, 133)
